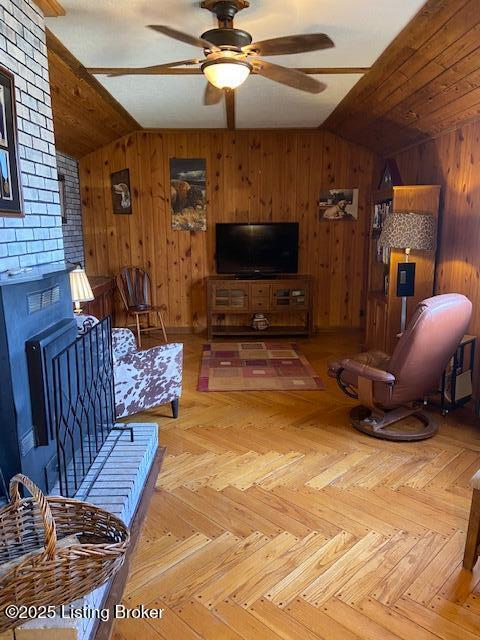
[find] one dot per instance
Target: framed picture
(188, 194)
(390, 176)
(10, 194)
(338, 204)
(3, 119)
(121, 195)
(63, 200)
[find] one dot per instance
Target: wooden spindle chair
(136, 292)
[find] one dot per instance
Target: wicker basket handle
(43, 506)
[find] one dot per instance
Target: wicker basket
(37, 570)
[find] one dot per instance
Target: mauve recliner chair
(387, 387)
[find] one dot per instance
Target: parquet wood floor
(272, 518)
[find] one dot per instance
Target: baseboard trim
(202, 331)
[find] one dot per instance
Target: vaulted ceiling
(113, 34)
(425, 83)
(424, 77)
(85, 115)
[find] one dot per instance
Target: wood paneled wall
(252, 176)
(453, 161)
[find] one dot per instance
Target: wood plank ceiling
(90, 30)
(85, 115)
(426, 82)
(50, 8)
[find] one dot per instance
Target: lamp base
(403, 315)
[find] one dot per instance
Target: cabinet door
(290, 295)
(228, 296)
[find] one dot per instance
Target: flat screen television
(257, 249)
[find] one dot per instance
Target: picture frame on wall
(121, 193)
(188, 194)
(338, 204)
(10, 192)
(63, 198)
(390, 176)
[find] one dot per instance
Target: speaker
(406, 279)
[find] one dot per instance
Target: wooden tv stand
(230, 296)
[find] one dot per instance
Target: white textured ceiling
(111, 33)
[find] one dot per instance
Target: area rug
(256, 366)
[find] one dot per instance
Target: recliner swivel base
(379, 423)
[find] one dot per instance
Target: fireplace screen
(3, 489)
(84, 406)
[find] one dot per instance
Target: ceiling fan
(231, 56)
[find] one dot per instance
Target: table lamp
(81, 289)
(408, 231)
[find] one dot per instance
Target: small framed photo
(3, 119)
(63, 199)
(10, 194)
(121, 195)
(338, 204)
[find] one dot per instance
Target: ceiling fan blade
(290, 77)
(153, 70)
(291, 44)
(183, 37)
(213, 95)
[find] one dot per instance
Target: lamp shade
(226, 73)
(409, 231)
(80, 286)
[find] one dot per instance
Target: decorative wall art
(3, 119)
(338, 204)
(63, 197)
(188, 194)
(121, 195)
(390, 176)
(10, 196)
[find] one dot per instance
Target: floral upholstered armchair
(145, 379)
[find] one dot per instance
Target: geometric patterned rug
(256, 366)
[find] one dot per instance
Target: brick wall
(37, 238)
(72, 229)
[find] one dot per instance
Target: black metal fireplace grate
(3, 490)
(84, 403)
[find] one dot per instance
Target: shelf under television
(291, 296)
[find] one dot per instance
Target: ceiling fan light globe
(226, 74)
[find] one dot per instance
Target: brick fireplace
(36, 307)
(34, 288)
(31, 304)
